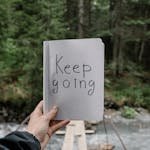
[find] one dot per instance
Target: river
(135, 133)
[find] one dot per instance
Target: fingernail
(55, 108)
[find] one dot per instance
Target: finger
(39, 108)
(52, 114)
(59, 125)
(53, 122)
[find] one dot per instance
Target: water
(135, 134)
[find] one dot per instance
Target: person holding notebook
(38, 132)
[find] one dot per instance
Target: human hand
(42, 126)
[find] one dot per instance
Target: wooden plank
(106, 147)
(62, 132)
(89, 131)
(69, 137)
(80, 133)
(75, 128)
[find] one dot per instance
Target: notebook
(73, 78)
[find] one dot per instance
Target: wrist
(34, 138)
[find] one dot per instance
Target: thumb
(52, 114)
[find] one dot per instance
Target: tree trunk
(118, 46)
(136, 49)
(141, 50)
(81, 18)
(111, 9)
(71, 18)
(143, 39)
(87, 17)
(120, 56)
(115, 56)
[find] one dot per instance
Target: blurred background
(123, 25)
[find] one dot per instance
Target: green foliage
(132, 95)
(128, 112)
(146, 96)
(24, 25)
(135, 22)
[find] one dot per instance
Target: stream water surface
(135, 134)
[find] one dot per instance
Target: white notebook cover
(73, 78)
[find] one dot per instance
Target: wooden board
(69, 137)
(75, 128)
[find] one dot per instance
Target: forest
(123, 25)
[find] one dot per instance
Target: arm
(19, 141)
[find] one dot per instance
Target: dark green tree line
(122, 24)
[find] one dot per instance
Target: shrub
(128, 112)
